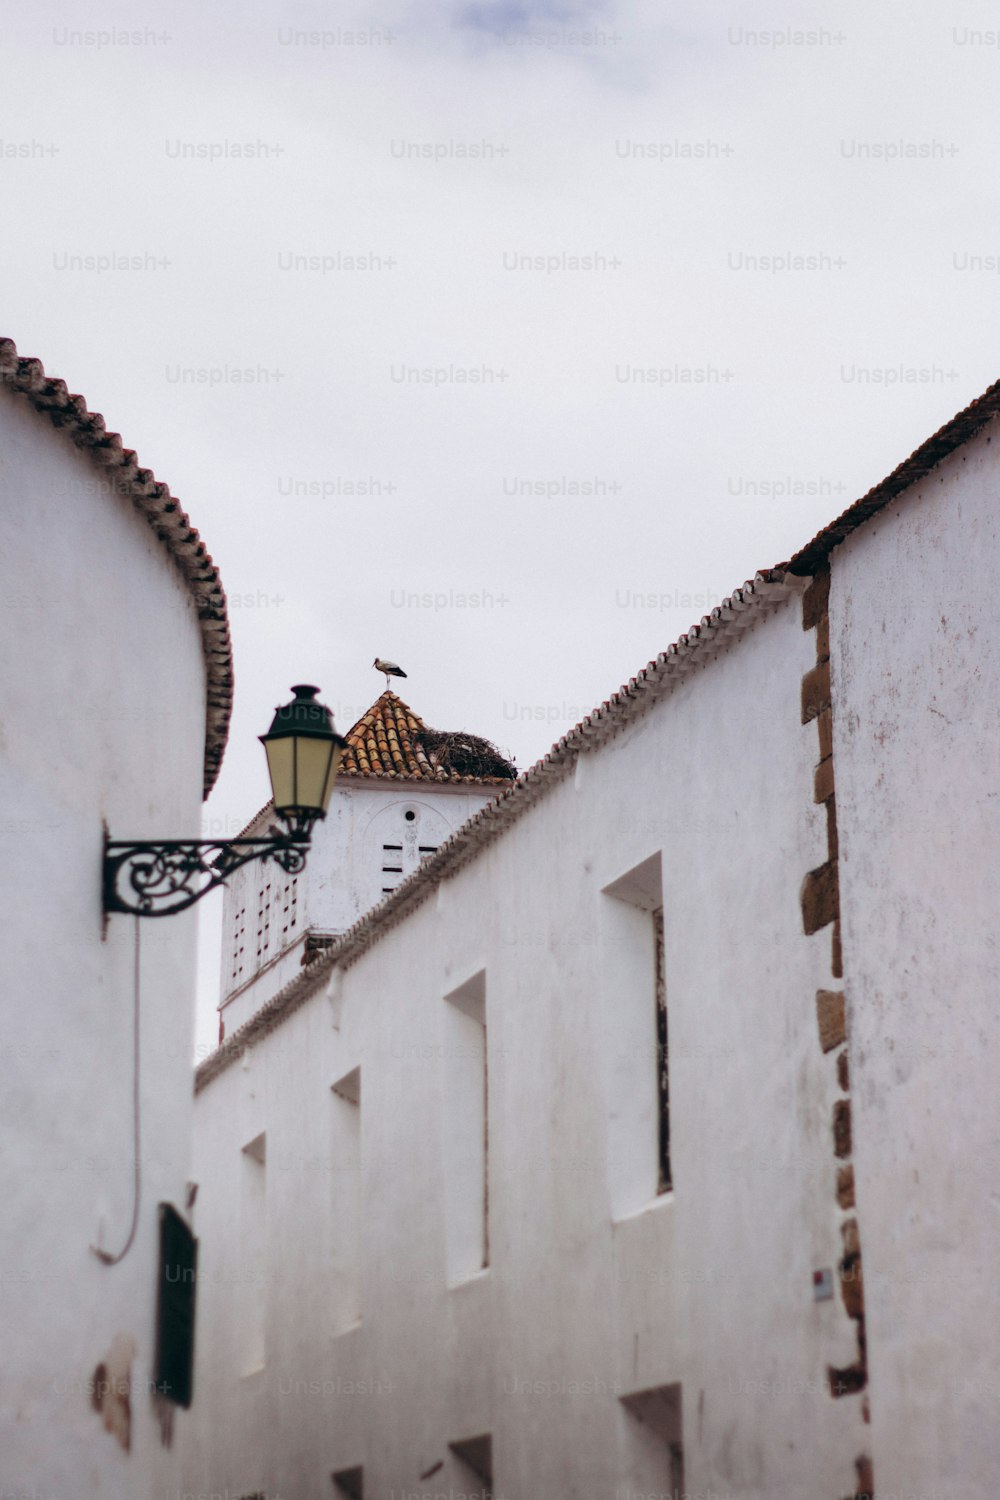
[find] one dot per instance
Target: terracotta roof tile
(87, 430)
(387, 742)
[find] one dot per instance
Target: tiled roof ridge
(381, 742)
(715, 632)
(963, 426)
(386, 743)
(164, 514)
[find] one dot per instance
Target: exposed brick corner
(816, 691)
(865, 1488)
(836, 952)
(848, 1381)
(816, 599)
(825, 726)
(845, 1186)
(820, 898)
(830, 1016)
(823, 639)
(852, 1286)
(823, 780)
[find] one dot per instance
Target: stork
(389, 668)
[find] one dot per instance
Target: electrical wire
(103, 1255)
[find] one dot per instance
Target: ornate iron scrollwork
(149, 879)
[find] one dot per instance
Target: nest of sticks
(464, 754)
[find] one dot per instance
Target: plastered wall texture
(709, 1286)
(915, 665)
(104, 724)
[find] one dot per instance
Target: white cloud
(697, 151)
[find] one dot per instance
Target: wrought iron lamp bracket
(157, 878)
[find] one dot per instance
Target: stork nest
(465, 754)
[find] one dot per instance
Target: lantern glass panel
(315, 782)
(281, 768)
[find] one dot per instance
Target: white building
(116, 689)
(401, 791)
(461, 1234)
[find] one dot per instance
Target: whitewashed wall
(916, 681)
(103, 704)
(266, 913)
(710, 1286)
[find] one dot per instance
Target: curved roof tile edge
(963, 426)
(702, 642)
(87, 431)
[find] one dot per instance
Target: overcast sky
(433, 249)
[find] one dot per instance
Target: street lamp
(157, 878)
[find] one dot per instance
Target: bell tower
(401, 791)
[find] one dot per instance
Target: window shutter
(175, 1308)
